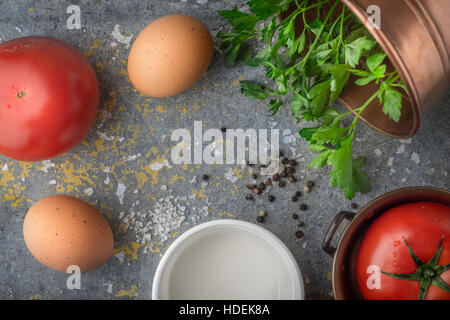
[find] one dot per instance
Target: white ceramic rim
(272, 239)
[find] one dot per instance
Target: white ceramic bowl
(228, 259)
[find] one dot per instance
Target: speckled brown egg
(170, 55)
(61, 231)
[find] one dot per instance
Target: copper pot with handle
(344, 282)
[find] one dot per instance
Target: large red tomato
(49, 98)
(383, 249)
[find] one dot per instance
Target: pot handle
(326, 244)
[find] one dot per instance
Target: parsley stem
(300, 9)
(319, 34)
(315, 5)
(341, 29)
(360, 111)
(299, 6)
(335, 23)
(395, 77)
(342, 115)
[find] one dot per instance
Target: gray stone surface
(138, 126)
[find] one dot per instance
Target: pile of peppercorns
(286, 174)
(287, 170)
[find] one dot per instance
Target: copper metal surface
(343, 274)
(415, 34)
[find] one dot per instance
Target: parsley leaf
(327, 134)
(268, 32)
(347, 173)
(263, 9)
(288, 35)
(274, 106)
(301, 42)
(340, 74)
(253, 90)
(392, 104)
(298, 103)
(232, 55)
(365, 80)
(375, 60)
(320, 160)
(319, 96)
(245, 52)
(361, 180)
(239, 20)
(307, 133)
(341, 161)
(354, 50)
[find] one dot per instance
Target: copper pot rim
(398, 64)
(362, 214)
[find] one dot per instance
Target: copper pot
(415, 36)
(345, 286)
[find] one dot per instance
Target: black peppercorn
(248, 197)
(260, 219)
(292, 179)
(285, 161)
(293, 163)
(354, 205)
(257, 191)
(299, 234)
(298, 194)
(295, 216)
(303, 207)
(310, 184)
(276, 177)
(281, 184)
(290, 170)
(271, 198)
(294, 199)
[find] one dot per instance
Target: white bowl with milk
(228, 260)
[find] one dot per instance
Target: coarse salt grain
(166, 218)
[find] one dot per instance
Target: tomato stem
(427, 273)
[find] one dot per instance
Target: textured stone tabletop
(123, 165)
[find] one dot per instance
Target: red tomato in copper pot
(49, 97)
(424, 225)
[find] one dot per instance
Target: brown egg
(170, 55)
(61, 231)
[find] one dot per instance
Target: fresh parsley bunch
(314, 65)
